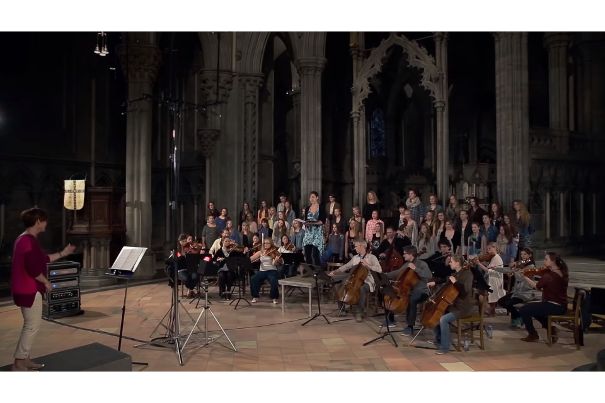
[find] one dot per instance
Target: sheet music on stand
(127, 262)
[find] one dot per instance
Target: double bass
(351, 291)
(406, 282)
(436, 306)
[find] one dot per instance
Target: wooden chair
(573, 319)
(473, 321)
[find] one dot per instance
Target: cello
(436, 305)
(392, 261)
(399, 302)
(351, 291)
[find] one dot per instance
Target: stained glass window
(377, 135)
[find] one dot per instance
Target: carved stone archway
(433, 79)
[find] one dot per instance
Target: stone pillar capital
(556, 39)
(439, 105)
(251, 83)
(311, 65)
(141, 63)
(441, 36)
(207, 81)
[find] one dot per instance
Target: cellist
(419, 293)
(462, 306)
(371, 262)
(391, 243)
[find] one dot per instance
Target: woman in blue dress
(313, 240)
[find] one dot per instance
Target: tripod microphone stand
(173, 327)
(316, 274)
(205, 309)
(385, 290)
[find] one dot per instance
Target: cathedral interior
(499, 116)
(160, 124)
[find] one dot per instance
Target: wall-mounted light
(101, 45)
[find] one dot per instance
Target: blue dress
(314, 234)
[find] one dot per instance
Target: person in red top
(28, 282)
(553, 285)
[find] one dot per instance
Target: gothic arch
(417, 57)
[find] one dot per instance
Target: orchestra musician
(391, 242)
(462, 306)
(341, 274)
(553, 285)
(495, 278)
(225, 275)
(287, 270)
(521, 291)
(419, 293)
(188, 277)
(439, 263)
(269, 259)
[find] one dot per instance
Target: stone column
(251, 85)
(512, 117)
(359, 157)
(441, 108)
(214, 89)
(141, 62)
(359, 129)
(557, 45)
(310, 70)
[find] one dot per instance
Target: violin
(351, 291)
(290, 247)
(233, 247)
(540, 271)
(399, 302)
(436, 306)
(273, 253)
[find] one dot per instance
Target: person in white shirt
(495, 278)
(371, 262)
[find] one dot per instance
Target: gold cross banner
(74, 194)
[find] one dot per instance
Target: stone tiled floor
(269, 340)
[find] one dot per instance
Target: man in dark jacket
(420, 292)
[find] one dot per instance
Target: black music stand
(123, 268)
(317, 272)
(385, 290)
(242, 266)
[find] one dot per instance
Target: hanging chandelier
(101, 46)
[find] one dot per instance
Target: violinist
(419, 293)
(234, 234)
(287, 247)
(371, 262)
(269, 258)
(189, 278)
(495, 279)
(462, 306)
(218, 244)
(521, 292)
(225, 275)
(553, 285)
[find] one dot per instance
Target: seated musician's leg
(444, 328)
(229, 276)
(273, 280)
(527, 312)
(416, 297)
(361, 306)
(255, 283)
